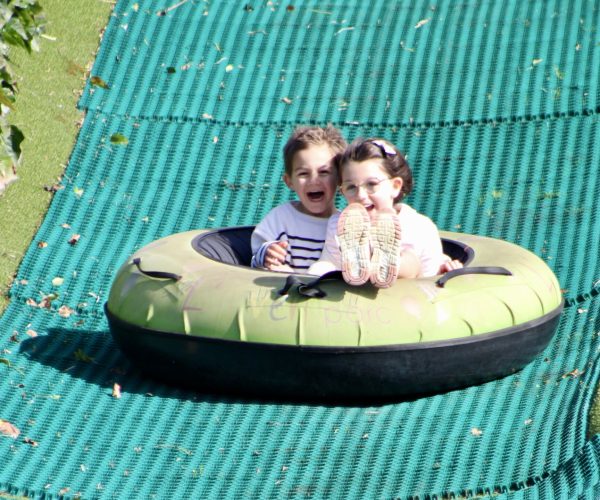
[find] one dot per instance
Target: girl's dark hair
(392, 160)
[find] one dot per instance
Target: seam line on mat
(542, 117)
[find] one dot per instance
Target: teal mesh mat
(350, 61)
(496, 105)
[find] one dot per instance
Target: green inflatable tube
(188, 309)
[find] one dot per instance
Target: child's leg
(410, 265)
(353, 235)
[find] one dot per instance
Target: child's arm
(272, 256)
(330, 259)
(267, 248)
(433, 259)
(450, 265)
(269, 254)
(275, 254)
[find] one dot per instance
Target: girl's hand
(450, 265)
(275, 255)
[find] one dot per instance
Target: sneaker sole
(353, 232)
(385, 261)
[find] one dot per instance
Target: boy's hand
(275, 255)
(284, 268)
(450, 266)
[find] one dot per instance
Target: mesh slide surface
(496, 105)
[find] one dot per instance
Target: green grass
(594, 416)
(49, 85)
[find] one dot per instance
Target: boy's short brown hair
(302, 137)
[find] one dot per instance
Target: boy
(291, 236)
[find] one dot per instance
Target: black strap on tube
(499, 271)
(310, 289)
(155, 274)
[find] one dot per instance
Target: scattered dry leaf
(98, 82)
(207, 116)
(476, 432)
(58, 281)
(74, 239)
(30, 441)
(116, 392)
(229, 68)
(558, 73)
(535, 62)
(402, 46)
(341, 30)
(171, 7)
(422, 22)
(47, 300)
(80, 355)
(573, 374)
(117, 138)
(287, 100)
(65, 226)
(42, 244)
(31, 302)
(65, 311)
(31, 333)
(9, 429)
(53, 188)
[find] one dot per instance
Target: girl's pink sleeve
(432, 256)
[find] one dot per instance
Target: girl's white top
(419, 234)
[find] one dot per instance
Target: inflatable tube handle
(289, 283)
(499, 271)
(155, 274)
(311, 289)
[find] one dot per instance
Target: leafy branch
(21, 24)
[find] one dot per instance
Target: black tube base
(395, 372)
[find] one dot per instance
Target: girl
(377, 237)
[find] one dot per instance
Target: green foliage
(117, 138)
(21, 25)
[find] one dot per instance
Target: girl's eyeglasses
(371, 186)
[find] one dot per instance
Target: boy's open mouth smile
(315, 195)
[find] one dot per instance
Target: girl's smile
(367, 182)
